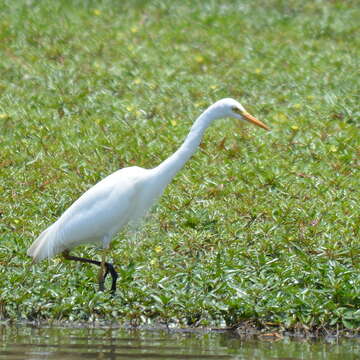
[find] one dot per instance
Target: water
(33, 343)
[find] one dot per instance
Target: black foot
(110, 269)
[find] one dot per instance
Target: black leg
(114, 275)
(109, 269)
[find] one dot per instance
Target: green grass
(262, 227)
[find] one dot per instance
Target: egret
(124, 197)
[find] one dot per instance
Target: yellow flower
(173, 123)
(153, 261)
(199, 59)
(213, 87)
(96, 12)
(158, 249)
(200, 104)
(134, 29)
(4, 116)
(258, 71)
(130, 108)
(333, 148)
(137, 81)
(295, 128)
(297, 106)
(281, 117)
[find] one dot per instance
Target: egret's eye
(236, 110)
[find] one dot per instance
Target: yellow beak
(254, 120)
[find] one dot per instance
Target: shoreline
(247, 329)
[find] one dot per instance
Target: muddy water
(26, 342)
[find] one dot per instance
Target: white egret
(123, 197)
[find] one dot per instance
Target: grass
(260, 227)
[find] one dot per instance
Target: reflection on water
(33, 343)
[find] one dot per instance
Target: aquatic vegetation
(267, 231)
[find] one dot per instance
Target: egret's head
(232, 108)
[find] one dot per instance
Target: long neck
(176, 161)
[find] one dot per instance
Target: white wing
(97, 215)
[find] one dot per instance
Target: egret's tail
(45, 245)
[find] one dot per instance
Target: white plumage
(97, 215)
(125, 195)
